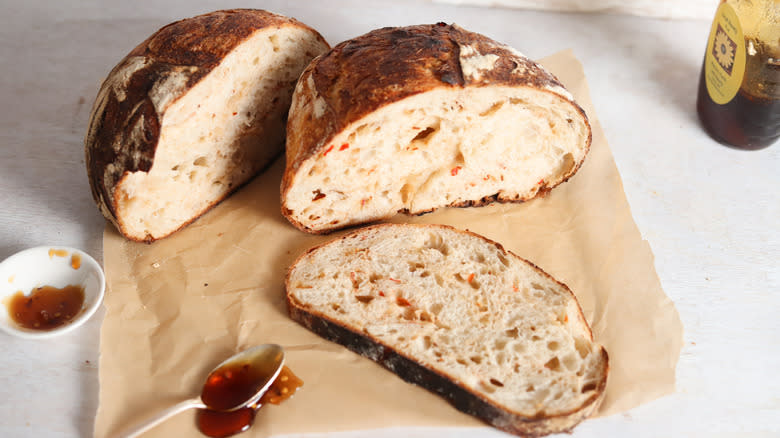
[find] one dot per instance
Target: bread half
(415, 118)
(191, 114)
(457, 314)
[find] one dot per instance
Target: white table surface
(710, 213)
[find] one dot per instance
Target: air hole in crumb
(553, 345)
(461, 361)
(425, 316)
(537, 286)
(406, 192)
(274, 41)
(512, 333)
(436, 308)
(493, 108)
(423, 135)
(535, 338)
(426, 342)
(496, 382)
(582, 347)
(201, 161)
(337, 308)
(414, 266)
(503, 259)
(566, 165)
(488, 388)
(476, 359)
(365, 299)
(553, 364)
(175, 168)
(409, 314)
(500, 344)
(192, 175)
(424, 274)
(570, 362)
(591, 386)
(529, 388)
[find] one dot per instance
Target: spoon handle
(148, 423)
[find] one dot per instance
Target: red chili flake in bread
(471, 277)
(327, 150)
(393, 280)
(455, 170)
(515, 288)
(381, 294)
(403, 302)
(344, 146)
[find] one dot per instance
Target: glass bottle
(739, 86)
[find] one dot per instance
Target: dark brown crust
(364, 74)
(446, 386)
(123, 129)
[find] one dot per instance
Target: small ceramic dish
(54, 266)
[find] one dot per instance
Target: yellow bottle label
(724, 60)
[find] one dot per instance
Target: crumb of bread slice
(457, 314)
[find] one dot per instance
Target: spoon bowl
(235, 383)
(241, 380)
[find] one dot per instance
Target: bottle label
(724, 60)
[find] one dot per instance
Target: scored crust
(363, 75)
(126, 119)
(360, 340)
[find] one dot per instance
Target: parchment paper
(177, 307)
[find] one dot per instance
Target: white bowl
(49, 266)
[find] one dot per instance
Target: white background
(710, 213)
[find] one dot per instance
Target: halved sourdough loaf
(191, 114)
(455, 313)
(416, 118)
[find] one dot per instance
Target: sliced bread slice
(457, 314)
(415, 118)
(191, 114)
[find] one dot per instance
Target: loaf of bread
(191, 114)
(455, 313)
(416, 118)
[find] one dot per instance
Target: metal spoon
(263, 364)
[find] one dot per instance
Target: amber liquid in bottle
(741, 70)
(746, 122)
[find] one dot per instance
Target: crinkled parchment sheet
(179, 306)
